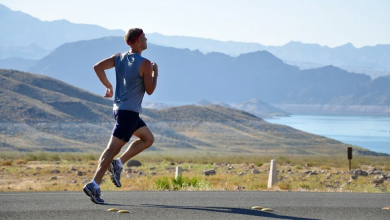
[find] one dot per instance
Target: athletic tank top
(130, 88)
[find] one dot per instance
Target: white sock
(120, 164)
(95, 185)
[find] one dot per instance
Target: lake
(372, 133)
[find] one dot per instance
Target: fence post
(178, 172)
(272, 174)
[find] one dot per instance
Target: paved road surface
(147, 205)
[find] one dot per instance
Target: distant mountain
(31, 51)
(40, 113)
(204, 45)
(203, 102)
(260, 108)
(155, 105)
(188, 76)
(372, 60)
(19, 29)
(223, 104)
(16, 63)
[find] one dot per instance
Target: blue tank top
(130, 87)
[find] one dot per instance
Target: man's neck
(136, 50)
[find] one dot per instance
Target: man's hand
(109, 93)
(155, 69)
(100, 72)
(149, 71)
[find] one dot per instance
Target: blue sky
(269, 22)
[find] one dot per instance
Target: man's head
(136, 39)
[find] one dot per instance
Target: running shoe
(93, 193)
(115, 173)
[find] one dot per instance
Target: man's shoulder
(146, 63)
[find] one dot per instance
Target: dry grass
(232, 173)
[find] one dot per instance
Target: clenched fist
(155, 69)
(109, 93)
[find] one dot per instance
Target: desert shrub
(162, 183)
(259, 164)
(304, 185)
(298, 167)
(91, 157)
(42, 156)
(31, 157)
(6, 163)
(55, 157)
(20, 162)
(182, 182)
(284, 186)
(177, 183)
(194, 182)
(325, 167)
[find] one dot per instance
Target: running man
(135, 75)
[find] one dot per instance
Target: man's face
(143, 42)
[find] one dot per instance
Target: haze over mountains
(41, 113)
(191, 76)
(42, 37)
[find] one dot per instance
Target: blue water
(372, 133)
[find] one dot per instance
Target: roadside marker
(123, 211)
(272, 178)
(112, 210)
(350, 157)
(178, 172)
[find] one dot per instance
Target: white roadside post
(272, 174)
(178, 172)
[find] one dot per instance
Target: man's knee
(149, 140)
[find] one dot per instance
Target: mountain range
(371, 60)
(19, 29)
(40, 37)
(191, 76)
(42, 113)
(31, 51)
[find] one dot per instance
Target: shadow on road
(230, 210)
(112, 204)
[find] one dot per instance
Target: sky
(268, 22)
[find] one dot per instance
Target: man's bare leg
(113, 148)
(145, 140)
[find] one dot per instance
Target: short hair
(131, 34)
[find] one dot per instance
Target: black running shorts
(127, 122)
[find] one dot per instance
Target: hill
(46, 34)
(188, 76)
(33, 98)
(41, 113)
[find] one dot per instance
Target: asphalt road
(195, 205)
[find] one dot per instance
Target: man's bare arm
(100, 72)
(149, 71)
